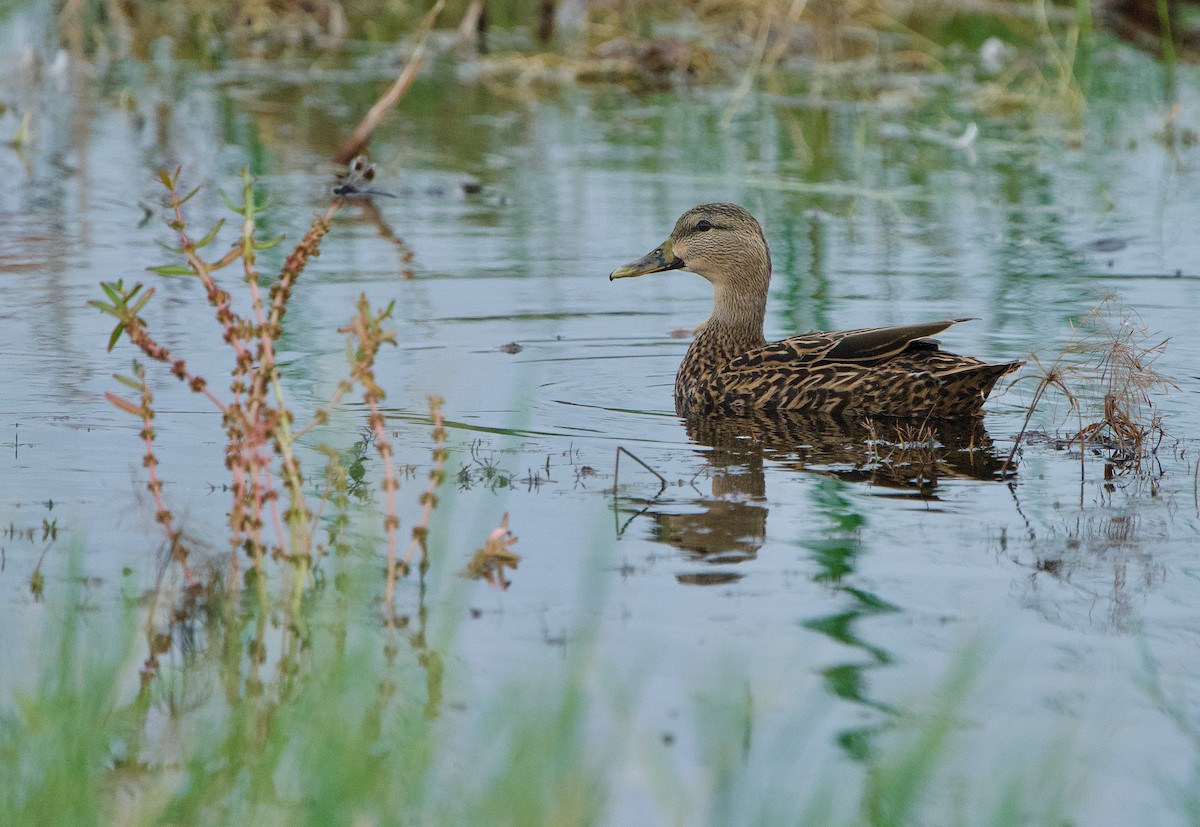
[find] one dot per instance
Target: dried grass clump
(496, 555)
(243, 27)
(1106, 373)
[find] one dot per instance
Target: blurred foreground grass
(342, 726)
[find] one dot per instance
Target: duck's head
(721, 242)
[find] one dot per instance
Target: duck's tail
(965, 389)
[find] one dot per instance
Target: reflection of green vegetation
(835, 554)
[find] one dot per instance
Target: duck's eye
(704, 224)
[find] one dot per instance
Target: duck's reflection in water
(726, 522)
(898, 453)
(728, 525)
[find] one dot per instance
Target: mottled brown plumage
(889, 371)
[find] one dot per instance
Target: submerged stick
(617, 471)
(1196, 486)
(617, 482)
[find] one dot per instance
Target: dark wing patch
(865, 346)
(883, 342)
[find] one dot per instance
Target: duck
(731, 368)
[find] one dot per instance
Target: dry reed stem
(1196, 487)
(761, 60)
(358, 141)
(469, 25)
(1051, 377)
(662, 481)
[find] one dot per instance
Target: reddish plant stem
(367, 328)
(276, 519)
(161, 514)
(240, 446)
(141, 338)
(429, 499)
(391, 522)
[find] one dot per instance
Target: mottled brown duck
(730, 367)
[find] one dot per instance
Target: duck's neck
(735, 327)
(738, 316)
(740, 277)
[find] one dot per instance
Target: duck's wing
(868, 346)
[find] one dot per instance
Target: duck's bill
(663, 258)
